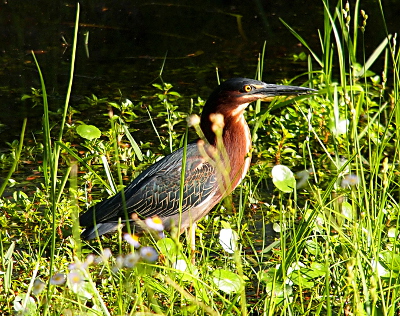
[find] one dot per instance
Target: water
(128, 41)
(127, 44)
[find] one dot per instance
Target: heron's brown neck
(237, 143)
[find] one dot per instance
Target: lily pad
(227, 281)
(88, 131)
(228, 239)
(283, 178)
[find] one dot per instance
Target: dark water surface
(129, 39)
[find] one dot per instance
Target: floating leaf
(303, 278)
(347, 210)
(279, 226)
(278, 289)
(283, 178)
(227, 281)
(88, 131)
(313, 247)
(228, 239)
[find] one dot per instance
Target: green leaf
(158, 86)
(227, 281)
(174, 93)
(88, 131)
(283, 178)
(319, 269)
(168, 248)
(313, 247)
(155, 285)
(135, 146)
(26, 96)
(302, 278)
(390, 260)
(374, 56)
(347, 210)
(277, 289)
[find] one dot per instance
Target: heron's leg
(192, 240)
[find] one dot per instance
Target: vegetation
(335, 250)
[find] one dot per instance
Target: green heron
(213, 168)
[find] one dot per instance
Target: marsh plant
(312, 230)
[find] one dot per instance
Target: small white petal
(132, 240)
(155, 223)
(58, 279)
(148, 254)
(131, 259)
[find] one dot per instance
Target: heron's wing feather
(160, 195)
(156, 190)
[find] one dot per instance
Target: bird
(215, 166)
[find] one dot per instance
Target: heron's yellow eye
(247, 88)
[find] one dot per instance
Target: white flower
(104, 256)
(75, 277)
(58, 279)
(77, 285)
(350, 180)
(38, 286)
(155, 223)
(119, 261)
(131, 259)
(88, 261)
(148, 254)
(132, 240)
(77, 265)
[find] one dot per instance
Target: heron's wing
(156, 191)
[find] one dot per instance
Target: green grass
(336, 246)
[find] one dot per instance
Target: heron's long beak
(268, 91)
